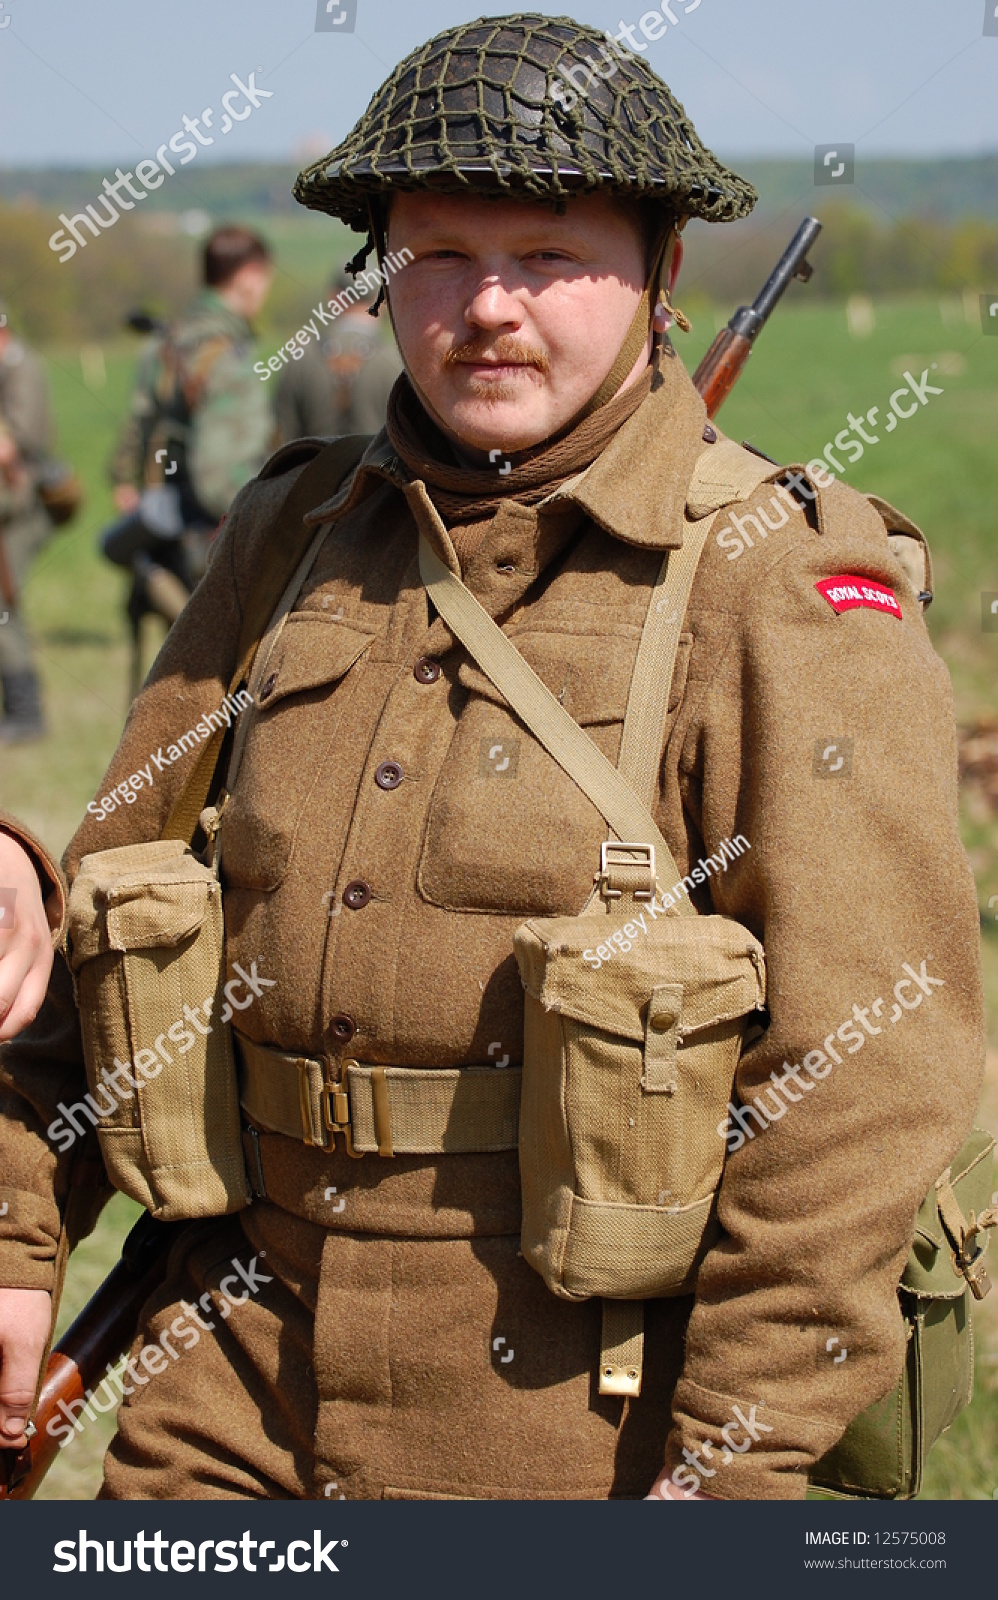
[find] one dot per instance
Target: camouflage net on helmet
(525, 105)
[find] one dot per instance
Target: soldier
(393, 821)
(25, 441)
(198, 426)
(342, 383)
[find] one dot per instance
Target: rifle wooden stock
(100, 1334)
(721, 368)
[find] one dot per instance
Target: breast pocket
(507, 830)
(300, 706)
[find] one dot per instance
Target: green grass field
(806, 375)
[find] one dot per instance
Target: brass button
(356, 894)
(388, 775)
(426, 670)
(663, 1021)
(268, 688)
(342, 1027)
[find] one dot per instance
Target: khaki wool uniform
(403, 1347)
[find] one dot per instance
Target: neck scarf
(464, 494)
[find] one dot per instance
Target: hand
(25, 939)
(25, 1320)
(664, 1489)
(126, 498)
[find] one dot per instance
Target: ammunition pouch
(146, 942)
(146, 948)
(627, 1072)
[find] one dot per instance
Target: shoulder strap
(621, 794)
(534, 703)
(286, 549)
(724, 473)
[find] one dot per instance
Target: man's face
(248, 288)
(509, 317)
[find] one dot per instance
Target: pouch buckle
(616, 856)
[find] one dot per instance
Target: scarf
(467, 495)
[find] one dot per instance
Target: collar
(635, 490)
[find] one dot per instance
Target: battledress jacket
(854, 879)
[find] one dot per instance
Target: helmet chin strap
(642, 324)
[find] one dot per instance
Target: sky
(94, 83)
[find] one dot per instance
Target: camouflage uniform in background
(197, 403)
(340, 385)
(25, 526)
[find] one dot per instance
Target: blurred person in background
(198, 426)
(340, 385)
(25, 525)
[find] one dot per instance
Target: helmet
(526, 107)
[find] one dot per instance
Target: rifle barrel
(722, 365)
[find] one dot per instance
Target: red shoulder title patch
(846, 592)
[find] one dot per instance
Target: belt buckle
(335, 1103)
(335, 1099)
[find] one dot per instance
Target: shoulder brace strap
(327, 471)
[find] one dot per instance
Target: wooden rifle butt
(99, 1336)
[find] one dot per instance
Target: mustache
(501, 350)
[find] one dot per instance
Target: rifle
(721, 367)
(101, 1333)
(106, 1325)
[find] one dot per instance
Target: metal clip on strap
(965, 1237)
(622, 1345)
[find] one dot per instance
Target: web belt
(386, 1111)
